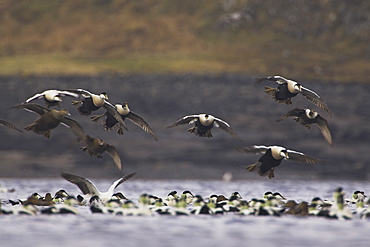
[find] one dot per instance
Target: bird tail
(253, 167)
(196, 132)
(83, 110)
(272, 91)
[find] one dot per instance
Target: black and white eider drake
(124, 111)
(287, 89)
(306, 117)
(90, 102)
(52, 97)
(93, 102)
(272, 157)
(203, 124)
(89, 190)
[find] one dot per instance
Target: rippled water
(87, 229)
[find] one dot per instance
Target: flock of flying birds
(115, 115)
(202, 125)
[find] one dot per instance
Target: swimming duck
(125, 112)
(203, 124)
(49, 119)
(187, 196)
(357, 196)
(200, 206)
(306, 117)
(287, 89)
(52, 97)
(68, 207)
(89, 189)
(9, 125)
(272, 157)
(60, 196)
(339, 209)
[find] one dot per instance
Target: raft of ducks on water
(109, 202)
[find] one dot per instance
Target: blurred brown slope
(301, 38)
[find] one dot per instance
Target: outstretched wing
(85, 185)
(275, 78)
(67, 93)
(258, 81)
(315, 98)
(33, 107)
(112, 151)
(75, 127)
(292, 113)
(184, 120)
(301, 157)
(9, 125)
(36, 96)
(324, 128)
(139, 121)
(226, 127)
(254, 149)
(113, 111)
(123, 179)
(80, 91)
(53, 91)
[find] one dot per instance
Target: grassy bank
(324, 40)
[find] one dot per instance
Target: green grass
(175, 36)
(174, 63)
(251, 63)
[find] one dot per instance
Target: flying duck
(96, 147)
(306, 117)
(125, 112)
(52, 97)
(89, 190)
(272, 157)
(49, 119)
(93, 102)
(203, 124)
(287, 89)
(9, 125)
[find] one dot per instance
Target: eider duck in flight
(52, 97)
(96, 147)
(288, 89)
(203, 124)
(93, 102)
(272, 157)
(125, 112)
(49, 119)
(89, 190)
(9, 125)
(306, 117)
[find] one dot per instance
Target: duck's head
(57, 98)
(279, 153)
(122, 109)
(65, 112)
(103, 95)
(206, 119)
(311, 114)
(297, 87)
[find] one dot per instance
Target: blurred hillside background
(172, 58)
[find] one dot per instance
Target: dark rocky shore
(163, 99)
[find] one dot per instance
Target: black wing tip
(171, 126)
